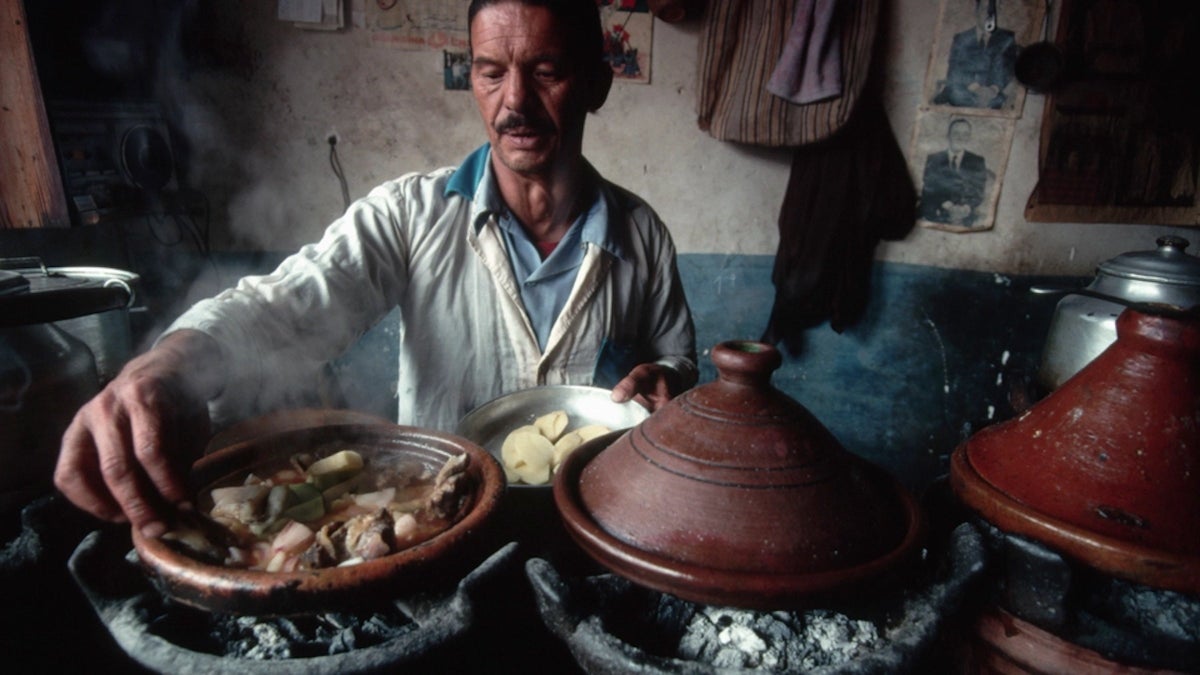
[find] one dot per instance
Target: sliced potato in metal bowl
(557, 412)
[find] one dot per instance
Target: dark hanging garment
(844, 196)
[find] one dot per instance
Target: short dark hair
(580, 20)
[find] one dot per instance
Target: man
(520, 267)
(981, 63)
(954, 180)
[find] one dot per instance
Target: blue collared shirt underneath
(545, 284)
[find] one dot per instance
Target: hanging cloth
(741, 45)
(810, 68)
(843, 196)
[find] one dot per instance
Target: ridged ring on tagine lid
(734, 494)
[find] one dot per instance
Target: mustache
(519, 121)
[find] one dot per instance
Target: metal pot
(88, 299)
(45, 375)
(1085, 320)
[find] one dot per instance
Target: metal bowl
(490, 423)
(445, 557)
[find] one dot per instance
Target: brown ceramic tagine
(734, 494)
(1106, 469)
(214, 587)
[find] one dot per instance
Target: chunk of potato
(572, 440)
(552, 425)
(590, 431)
(565, 446)
(508, 449)
(532, 453)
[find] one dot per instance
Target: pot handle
(1156, 308)
(123, 285)
(33, 308)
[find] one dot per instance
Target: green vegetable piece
(306, 511)
(337, 490)
(303, 492)
(336, 468)
(307, 504)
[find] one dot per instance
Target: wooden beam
(31, 189)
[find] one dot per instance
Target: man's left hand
(650, 384)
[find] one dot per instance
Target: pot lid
(33, 295)
(12, 283)
(735, 494)
(1132, 275)
(1104, 468)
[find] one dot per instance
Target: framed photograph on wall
(957, 163)
(975, 47)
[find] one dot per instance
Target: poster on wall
(418, 24)
(628, 35)
(956, 161)
(973, 58)
(1120, 139)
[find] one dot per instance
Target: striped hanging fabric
(740, 47)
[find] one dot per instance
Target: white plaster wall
(259, 132)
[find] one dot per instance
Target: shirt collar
(474, 180)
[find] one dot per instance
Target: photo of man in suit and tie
(954, 182)
(981, 63)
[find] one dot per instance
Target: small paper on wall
(331, 17)
(308, 11)
(628, 35)
(418, 24)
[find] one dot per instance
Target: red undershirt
(545, 248)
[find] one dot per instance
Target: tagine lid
(1105, 469)
(735, 494)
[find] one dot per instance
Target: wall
(257, 113)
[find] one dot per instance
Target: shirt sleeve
(672, 332)
(277, 331)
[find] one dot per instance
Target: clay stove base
(127, 605)
(575, 609)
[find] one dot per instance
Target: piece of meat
(451, 489)
(371, 535)
(323, 552)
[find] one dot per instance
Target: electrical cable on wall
(337, 170)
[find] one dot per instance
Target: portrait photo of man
(954, 182)
(981, 62)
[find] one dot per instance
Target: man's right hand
(125, 454)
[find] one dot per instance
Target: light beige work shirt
(430, 245)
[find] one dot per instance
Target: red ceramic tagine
(1106, 469)
(734, 494)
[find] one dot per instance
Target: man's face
(960, 135)
(532, 97)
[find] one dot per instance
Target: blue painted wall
(938, 354)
